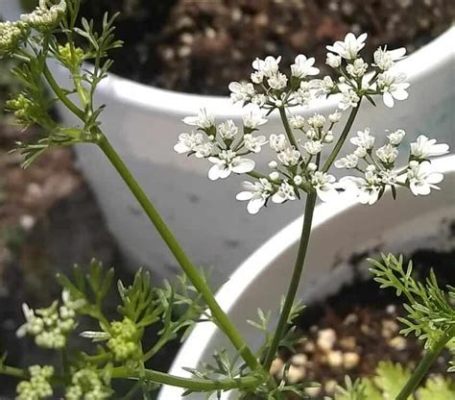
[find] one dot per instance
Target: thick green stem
(194, 384)
(334, 154)
(287, 128)
(61, 95)
(424, 365)
(295, 280)
(190, 270)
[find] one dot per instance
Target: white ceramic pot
(143, 123)
(340, 230)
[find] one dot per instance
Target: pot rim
(244, 276)
(416, 66)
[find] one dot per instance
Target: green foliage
(431, 313)
(55, 39)
(387, 383)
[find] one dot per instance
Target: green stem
(257, 175)
(193, 384)
(334, 154)
(424, 365)
(295, 280)
(12, 371)
(287, 127)
(190, 270)
(61, 95)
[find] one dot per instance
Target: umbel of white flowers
(294, 167)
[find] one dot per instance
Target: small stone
(389, 328)
(330, 386)
(391, 309)
(350, 319)
(295, 374)
(350, 360)
(326, 339)
(366, 330)
(299, 360)
(27, 222)
(309, 347)
(187, 38)
(348, 343)
(184, 51)
(313, 391)
(276, 369)
(398, 343)
(335, 359)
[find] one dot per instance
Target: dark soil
(353, 331)
(199, 46)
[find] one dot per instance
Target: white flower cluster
(46, 15)
(11, 33)
(355, 81)
(224, 145)
(87, 384)
(38, 386)
(297, 162)
(50, 326)
(378, 166)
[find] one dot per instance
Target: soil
(199, 46)
(351, 332)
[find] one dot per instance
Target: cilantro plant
(301, 161)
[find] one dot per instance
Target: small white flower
(313, 147)
(228, 161)
(335, 117)
(395, 138)
(424, 148)
(241, 91)
(357, 69)
(349, 47)
(316, 121)
(312, 134)
(189, 142)
(268, 67)
(289, 157)
(384, 59)
(366, 189)
(259, 99)
(349, 98)
(387, 153)
(256, 194)
(303, 67)
(204, 150)
(328, 137)
(11, 33)
(254, 143)
(285, 192)
(422, 178)
(363, 139)
(324, 185)
(360, 152)
(323, 86)
(253, 116)
(333, 60)
(204, 119)
(388, 177)
(274, 176)
(227, 130)
(350, 161)
(393, 87)
(278, 142)
(297, 121)
(298, 180)
(278, 81)
(257, 77)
